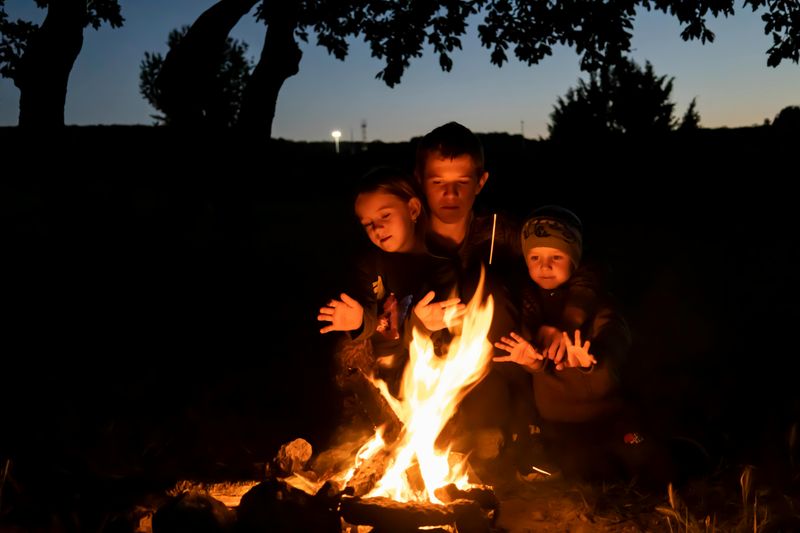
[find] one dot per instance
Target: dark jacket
(575, 394)
(388, 285)
(505, 272)
(478, 248)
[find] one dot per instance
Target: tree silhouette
(39, 59)
(220, 98)
(788, 120)
(398, 31)
(280, 60)
(620, 99)
(691, 119)
(193, 63)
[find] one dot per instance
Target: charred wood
(276, 507)
(370, 472)
(375, 406)
(390, 515)
(483, 495)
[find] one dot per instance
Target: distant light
(336, 134)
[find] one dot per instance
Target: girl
(388, 279)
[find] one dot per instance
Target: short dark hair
(450, 140)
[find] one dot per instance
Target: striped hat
(553, 226)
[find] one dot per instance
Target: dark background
(161, 288)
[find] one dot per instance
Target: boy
(450, 170)
(586, 426)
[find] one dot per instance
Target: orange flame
(431, 390)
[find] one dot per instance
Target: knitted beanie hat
(556, 227)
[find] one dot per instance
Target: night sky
(730, 78)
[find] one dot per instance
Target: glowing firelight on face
(431, 390)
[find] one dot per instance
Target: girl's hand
(344, 315)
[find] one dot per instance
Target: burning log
(228, 492)
(385, 514)
(370, 472)
(376, 407)
(380, 414)
(482, 495)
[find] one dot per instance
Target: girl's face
(548, 267)
(388, 220)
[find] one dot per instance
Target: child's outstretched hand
(577, 355)
(344, 315)
(552, 344)
(520, 350)
(439, 315)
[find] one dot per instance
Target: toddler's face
(548, 267)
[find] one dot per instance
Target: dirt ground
(734, 498)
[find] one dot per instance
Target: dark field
(160, 291)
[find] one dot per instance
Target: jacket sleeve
(584, 394)
(360, 287)
(581, 302)
(610, 339)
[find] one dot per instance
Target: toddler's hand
(520, 350)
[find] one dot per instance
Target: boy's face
(451, 185)
(548, 267)
(388, 220)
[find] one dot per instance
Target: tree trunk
(280, 60)
(45, 65)
(189, 69)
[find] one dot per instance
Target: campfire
(402, 474)
(399, 478)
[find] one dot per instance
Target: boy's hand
(344, 315)
(578, 355)
(520, 350)
(552, 343)
(439, 315)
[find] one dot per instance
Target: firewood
(228, 492)
(370, 472)
(376, 407)
(482, 494)
(293, 456)
(275, 506)
(387, 514)
(193, 511)
(469, 517)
